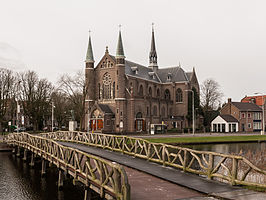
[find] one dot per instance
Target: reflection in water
(253, 151)
(19, 181)
(230, 148)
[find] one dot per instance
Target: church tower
(90, 82)
(120, 86)
(153, 54)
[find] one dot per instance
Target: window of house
(243, 115)
(179, 96)
(257, 125)
(249, 115)
(257, 116)
(249, 125)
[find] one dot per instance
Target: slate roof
(105, 108)
(176, 72)
(242, 106)
(228, 118)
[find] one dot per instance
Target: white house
(224, 123)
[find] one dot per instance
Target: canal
(18, 181)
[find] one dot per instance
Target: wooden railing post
(234, 171)
(185, 160)
(117, 181)
(210, 166)
(163, 154)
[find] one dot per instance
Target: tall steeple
(120, 49)
(153, 54)
(89, 56)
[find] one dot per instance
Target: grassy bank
(213, 139)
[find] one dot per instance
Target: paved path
(170, 175)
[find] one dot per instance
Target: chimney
(229, 100)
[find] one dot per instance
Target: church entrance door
(96, 121)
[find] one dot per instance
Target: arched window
(141, 90)
(167, 95)
(154, 111)
(99, 91)
(158, 93)
(163, 111)
(113, 90)
(107, 82)
(179, 95)
(150, 92)
(139, 115)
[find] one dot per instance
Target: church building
(126, 97)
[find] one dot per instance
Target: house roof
(243, 106)
(228, 118)
(257, 99)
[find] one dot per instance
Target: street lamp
(18, 111)
(193, 110)
(53, 116)
(263, 120)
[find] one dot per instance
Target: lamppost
(263, 120)
(53, 116)
(193, 110)
(18, 111)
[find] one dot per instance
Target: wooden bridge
(110, 179)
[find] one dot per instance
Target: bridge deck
(159, 182)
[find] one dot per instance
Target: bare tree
(7, 82)
(35, 95)
(74, 88)
(211, 95)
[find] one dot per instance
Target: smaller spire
(120, 49)
(89, 56)
(106, 50)
(153, 54)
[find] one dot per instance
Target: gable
(106, 62)
(218, 119)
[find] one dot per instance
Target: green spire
(120, 49)
(89, 57)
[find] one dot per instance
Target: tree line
(35, 95)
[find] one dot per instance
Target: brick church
(126, 97)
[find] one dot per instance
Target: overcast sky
(223, 39)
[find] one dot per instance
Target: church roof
(176, 73)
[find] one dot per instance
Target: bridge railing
(236, 170)
(108, 177)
